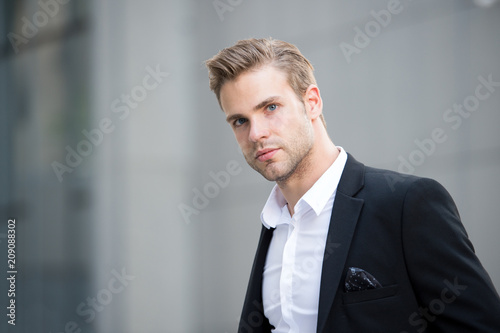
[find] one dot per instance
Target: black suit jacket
(406, 232)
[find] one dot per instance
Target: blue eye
(272, 107)
(240, 121)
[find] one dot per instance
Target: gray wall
(120, 208)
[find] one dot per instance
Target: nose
(259, 129)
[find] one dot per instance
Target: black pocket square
(358, 279)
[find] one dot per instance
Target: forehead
(252, 87)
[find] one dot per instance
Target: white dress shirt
(292, 272)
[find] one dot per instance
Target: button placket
(288, 268)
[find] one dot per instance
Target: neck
(313, 166)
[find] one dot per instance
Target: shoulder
(395, 181)
(363, 181)
(392, 182)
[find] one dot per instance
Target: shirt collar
(316, 197)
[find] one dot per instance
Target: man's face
(270, 123)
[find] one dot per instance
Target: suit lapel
(253, 298)
(345, 214)
(260, 258)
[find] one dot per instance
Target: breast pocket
(369, 295)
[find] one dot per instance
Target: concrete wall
(121, 209)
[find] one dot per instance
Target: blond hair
(252, 53)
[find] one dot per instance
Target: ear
(313, 102)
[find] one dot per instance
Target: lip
(266, 154)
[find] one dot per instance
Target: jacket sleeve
(454, 291)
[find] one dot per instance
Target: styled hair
(253, 53)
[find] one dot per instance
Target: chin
(274, 175)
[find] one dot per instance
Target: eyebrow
(265, 102)
(255, 108)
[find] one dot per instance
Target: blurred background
(111, 143)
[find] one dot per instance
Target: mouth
(266, 154)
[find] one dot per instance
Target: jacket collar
(345, 214)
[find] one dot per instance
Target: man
(343, 247)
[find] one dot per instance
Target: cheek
(281, 122)
(242, 138)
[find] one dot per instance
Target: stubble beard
(296, 165)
